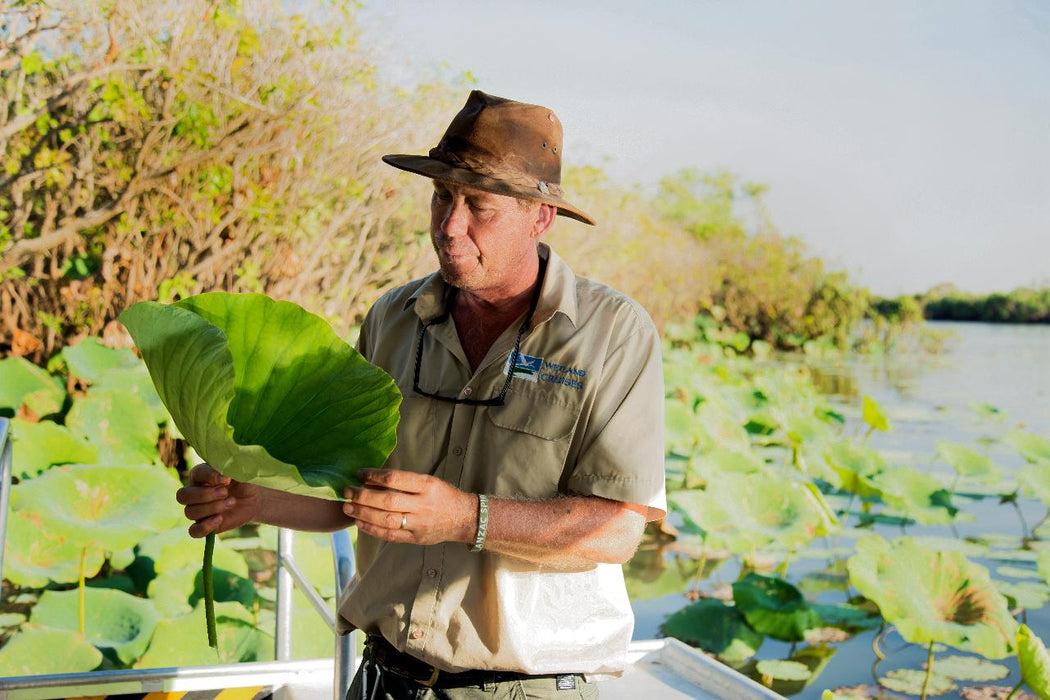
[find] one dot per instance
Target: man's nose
(455, 221)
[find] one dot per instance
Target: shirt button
(468, 391)
(432, 573)
(458, 451)
(417, 634)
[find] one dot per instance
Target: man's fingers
(190, 495)
(205, 510)
(409, 482)
(385, 533)
(203, 527)
(381, 499)
(204, 475)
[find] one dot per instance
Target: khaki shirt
(583, 415)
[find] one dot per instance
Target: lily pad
(181, 641)
(38, 651)
(911, 681)
(784, 670)
(970, 668)
(39, 446)
(774, 607)
(115, 622)
(1034, 661)
(1034, 480)
(933, 596)
(1030, 595)
(136, 381)
(969, 463)
(267, 392)
(23, 383)
(110, 507)
(1032, 447)
(90, 359)
(35, 554)
(715, 627)
(119, 425)
(916, 495)
(11, 620)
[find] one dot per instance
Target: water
(929, 397)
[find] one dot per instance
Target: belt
(388, 658)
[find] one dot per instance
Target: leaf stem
(209, 590)
(1016, 688)
(929, 672)
(81, 585)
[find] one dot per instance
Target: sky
(907, 143)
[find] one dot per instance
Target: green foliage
(40, 650)
(715, 627)
(774, 607)
(266, 392)
(1019, 306)
(1034, 661)
(118, 624)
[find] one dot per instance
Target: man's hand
(217, 503)
(432, 510)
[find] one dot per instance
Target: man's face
(483, 240)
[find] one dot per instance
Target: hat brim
(439, 170)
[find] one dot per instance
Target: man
(530, 446)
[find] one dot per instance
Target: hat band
(512, 177)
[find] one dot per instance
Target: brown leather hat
(499, 146)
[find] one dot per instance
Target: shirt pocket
(530, 441)
(416, 448)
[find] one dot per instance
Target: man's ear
(545, 214)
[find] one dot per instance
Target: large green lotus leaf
(181, 641)
(1032, 447)
(39, 446)
(35, 554)
(11, 620)
(107, 506)
(1034, 480)
(176, 590)
(970, 668)
(1043, 564)
(266, 392)
(722, 425)
(933, 596)
(114, 621)
(1034, 662)
(856, 457)
(912, 682)
(680, 427)
(313, 556)
(136, 380)
(1030, 595)
(715, 627)
(774, 607)
(650, 575)
(845, 617)
(784, 670)
(22, 382)
(969, 463)
(90, 359)
(720, 460)
(742, 512)
(915, 494)
(120, 426)
(174, 549)
(312, 638)
(36, 651)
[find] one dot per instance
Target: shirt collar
(558, 293)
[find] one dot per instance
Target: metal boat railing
(282, 671)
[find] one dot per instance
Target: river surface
(986, 380)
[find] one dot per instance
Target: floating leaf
(267, 392)
(23, 383)
(136, 381)
(774, 607)
(112, 507)
(1034, 661)
(1032, 447)
(38, 651)
(35, 554)
(1034, 480)
(38, 446)
(915, 494)
(970, 668)
(845, 617)
(987, 411)
(933, 596)
(115, 622)
(1031, 595)
(911, 681)
(90, 359)
(119, 425)
(874, 416)
(178, 641)
(11, 620)
(715, 627)
(1017, 572)
(784, 670)
(969, 463)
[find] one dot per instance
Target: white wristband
(483, 523)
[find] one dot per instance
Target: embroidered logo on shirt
(527, 367)
(537, 369)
